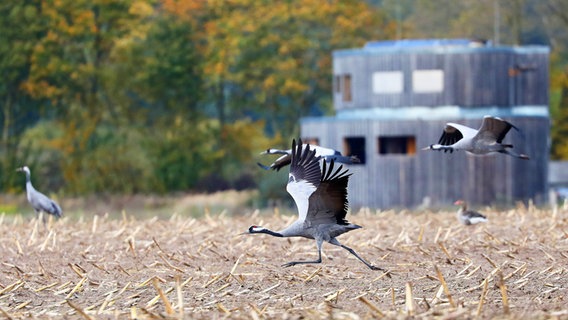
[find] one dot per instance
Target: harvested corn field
(184, 267)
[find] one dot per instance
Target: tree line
(155, 96)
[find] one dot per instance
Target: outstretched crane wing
(454, 132)
(328, 204)
(495, 128)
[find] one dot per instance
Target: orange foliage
(184, 8)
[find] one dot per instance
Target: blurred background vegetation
(161, 96)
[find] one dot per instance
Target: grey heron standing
(325, 153)
(487, 139)
(321, 197)
(468, 217)
(39, 201)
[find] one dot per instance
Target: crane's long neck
(267, 231)
(29, 185)
(277, 151)
(441, 147)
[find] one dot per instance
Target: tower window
(388, 82)
(428, 81)
(355, 146)
(347, 97)
(397, 145)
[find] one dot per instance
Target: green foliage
(560, 122)
(183, 154)
(130, 159)
(272, 189)
(240, 141)
(21, 26)
(168, 75)
(39, 150)
(116, 161)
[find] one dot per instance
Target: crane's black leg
(293, 263)
(372, 267)
(514, 154)
(263, 166)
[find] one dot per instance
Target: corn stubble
(185, 267)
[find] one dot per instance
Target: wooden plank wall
(390, 181)
(472, 78)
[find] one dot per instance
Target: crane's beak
(243, 233)
(19, 169)
(426, 148)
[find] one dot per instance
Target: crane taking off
(321, 198)
(325, 153)
(487, 139)
(39, 201)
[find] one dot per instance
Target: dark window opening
(347, 88)
(355, 146)
(397, 145)
(337, 84)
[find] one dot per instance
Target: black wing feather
(504, 132)
(304, 164)
(450, 136)
(329, 204)
(496, 127)
(474, 214)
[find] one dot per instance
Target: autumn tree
(276, 56)
(271, 60)
(515, 22)
(167, 79)
(68, 68)
(555, 16)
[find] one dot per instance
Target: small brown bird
(468, 217)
